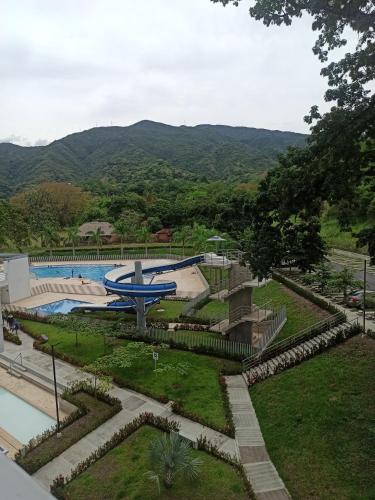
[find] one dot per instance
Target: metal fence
(292, 341)
(196, 339)
(94, 257)
(273, 329)
(192, 305)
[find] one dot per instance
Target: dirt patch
(322, 313)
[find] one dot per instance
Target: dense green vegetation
(121, 472)
(336, 237)
(317, 421)
(198, 391)
(212, 151)
(334, 168)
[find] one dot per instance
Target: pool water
(20, 419)
(94, 272)
(60, 306)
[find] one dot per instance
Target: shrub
(45, 447)
(11, 337)
(144, 419)
(288, 361)
(307, 294)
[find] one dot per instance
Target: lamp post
(55, 384)
(364, 295)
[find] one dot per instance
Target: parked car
(355, 299)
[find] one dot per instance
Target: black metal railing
(290, 342)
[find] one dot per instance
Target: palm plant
(96, 237)
(72, 237)
(171, 455)
(121, 229)
(344, 281)
(144, 236)
(199, 236)
(49, 238)
(182, 236)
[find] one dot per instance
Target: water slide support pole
(141, 311)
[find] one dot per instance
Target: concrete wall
(18, 277)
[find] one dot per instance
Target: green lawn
(213, 276)
(172, 310)
(300, 312)
(120, 475)
(199, 391)
(167, 310)
(336, 238)
(214, 309)
(318, 423)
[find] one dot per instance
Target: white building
(14, 282)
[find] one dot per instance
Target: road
(341, 259)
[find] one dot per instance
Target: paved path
(39, 367)
(261, 472)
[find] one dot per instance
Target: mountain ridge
(213, 151)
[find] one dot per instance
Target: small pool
(94, 272)
(20, 419)
(60, 306)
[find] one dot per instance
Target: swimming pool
(20, 419)
(63, 306)
(94, 272)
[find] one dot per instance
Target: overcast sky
(71, 65)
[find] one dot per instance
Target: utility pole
(364, 295)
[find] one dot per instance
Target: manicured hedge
(284, 363)
(88, 416)
(57, 487)
(307, 294)
(11, 337)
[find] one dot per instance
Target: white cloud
(68, 66)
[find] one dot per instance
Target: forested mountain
(206, 151)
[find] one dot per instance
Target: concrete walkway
(39, 369)
(261, 472)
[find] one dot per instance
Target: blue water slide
(151, 292)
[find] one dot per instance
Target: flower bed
(93, 409)
(161, 423)
(11, 337)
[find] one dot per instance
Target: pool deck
(32, 394)
(189, 284)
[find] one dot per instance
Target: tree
(121, 229)
(132, 221)
(144, 236)
(323, 274)
(13, 230)
(96, 237)
(340, 151)
(199, 236)
(53, 203)
(50, 237)
(154, 223)
(72, 237)
(171, 455)
(182, 236)
(344, 281)
(263, 249)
